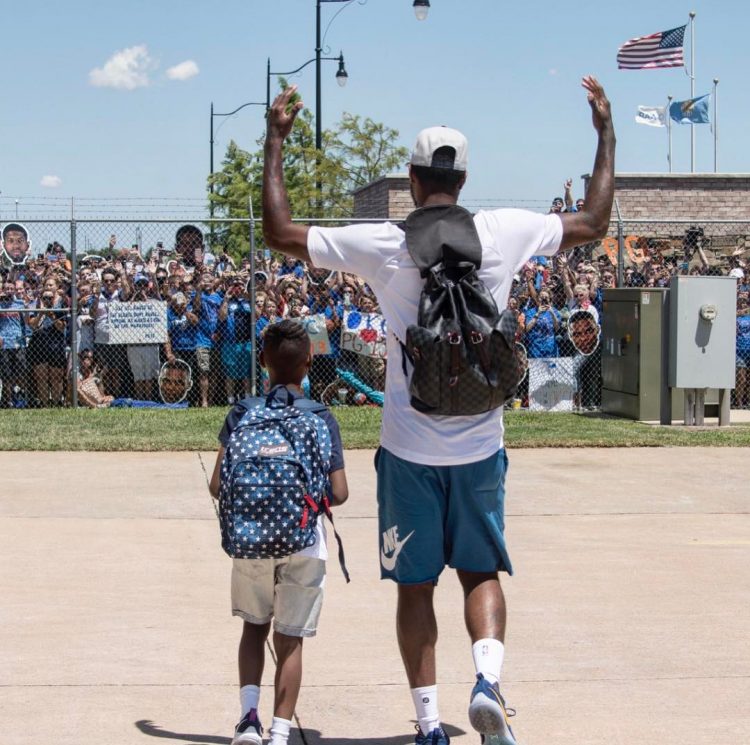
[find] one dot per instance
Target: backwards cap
(433, 138)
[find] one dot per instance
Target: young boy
(289, 590)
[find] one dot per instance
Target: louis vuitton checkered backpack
(462, 348)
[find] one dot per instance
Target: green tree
(354, 153)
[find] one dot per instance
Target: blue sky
(507, 74)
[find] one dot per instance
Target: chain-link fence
(159, 313)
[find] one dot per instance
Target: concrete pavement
(628, 614)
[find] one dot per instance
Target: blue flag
(693, 111)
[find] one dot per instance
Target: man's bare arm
(591, 223)
(279, 232)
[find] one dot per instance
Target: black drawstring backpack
(462, 349)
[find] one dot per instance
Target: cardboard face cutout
(584, 332)
(523, 360)
(175, 381)
(16, 243)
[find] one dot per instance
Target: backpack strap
(315, 407)
(443, 233)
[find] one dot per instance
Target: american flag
(650, 52)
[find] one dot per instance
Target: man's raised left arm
(592, 223)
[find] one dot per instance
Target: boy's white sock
(426, 705)
(280, 729)
(488, 658)
(249, 697)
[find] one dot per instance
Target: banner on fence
(138, 323)
(552, 383)
(318, 333)
(364, 333)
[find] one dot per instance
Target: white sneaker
(249, 730)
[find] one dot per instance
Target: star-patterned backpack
(274, 479)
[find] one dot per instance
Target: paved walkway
(628, 613)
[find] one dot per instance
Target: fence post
(253, 350)
(74, 314)
(620, 247)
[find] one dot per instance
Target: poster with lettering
(364, 333)
(138, 323)
(318, 333)
(552, 383)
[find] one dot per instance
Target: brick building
(641, 196)
(644, 198)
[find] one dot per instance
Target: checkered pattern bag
(462, 348)
(274, 481)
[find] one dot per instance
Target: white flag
(654, 116)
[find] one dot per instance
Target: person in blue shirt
(182, 328)
(206, 304)
(235, 327)
(542, 326)
(742, 386)
(291, 266)
(13, 334)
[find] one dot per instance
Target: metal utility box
(702, 329)
(635, 327)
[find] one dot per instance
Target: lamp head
(421, 9)
(341, 74)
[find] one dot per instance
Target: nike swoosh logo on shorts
(389, 562)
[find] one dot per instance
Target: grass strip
(197, 429)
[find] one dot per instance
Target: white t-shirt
(378, 253)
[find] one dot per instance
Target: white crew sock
(249, 697)
(426, 705)
(488, 658)
(280, 729)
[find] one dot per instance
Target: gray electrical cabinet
(702, 330)
(702, 338)
(635, 328)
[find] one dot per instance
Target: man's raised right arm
(279, 232)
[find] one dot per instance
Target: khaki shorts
(289, 590)
(203, 359)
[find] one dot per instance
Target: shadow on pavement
(154, 730)
(308, 736)
(313, 737)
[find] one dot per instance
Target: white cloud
(184, 71)
(127, 69)
(50, 182)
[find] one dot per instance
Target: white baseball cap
(433, 138)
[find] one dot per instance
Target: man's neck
(438, 198)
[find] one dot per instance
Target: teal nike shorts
(433, 516)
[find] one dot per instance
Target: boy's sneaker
(249, 731)
(434, 737)
(488, 715)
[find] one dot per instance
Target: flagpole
(669, 132)
(716, 127)
(692, 87)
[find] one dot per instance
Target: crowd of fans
(558, 302)
(209, 321)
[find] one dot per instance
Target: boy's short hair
(286, 349)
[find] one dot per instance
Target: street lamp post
(341, 78)
(211, 147)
